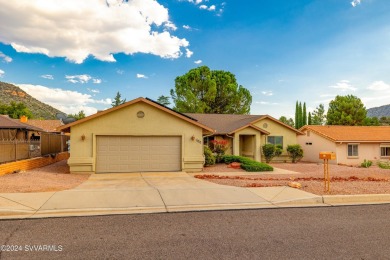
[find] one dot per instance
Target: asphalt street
(348, 232)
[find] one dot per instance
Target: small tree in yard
(295, 152)
(219, 148)
(208, 156)
(270, 151)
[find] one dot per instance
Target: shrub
(209, 157)
(295, 152)
(247, 164)
(269, 152)
(366, 163)
(219, 148)
(278, 150)
(384, 165)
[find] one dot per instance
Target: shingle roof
(8, 123)
(352, 133)
(224, 123)
(47, 125)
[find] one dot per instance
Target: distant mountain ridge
(40, 110)
(379, 111)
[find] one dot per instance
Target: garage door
(138, 154)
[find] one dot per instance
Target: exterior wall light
(83, 137)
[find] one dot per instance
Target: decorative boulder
(295, 184)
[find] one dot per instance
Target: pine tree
(117, 100)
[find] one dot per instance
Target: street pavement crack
(8, 238)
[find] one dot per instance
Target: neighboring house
(11, 129)
(15, 140)
(139, 135)
(49, 126)
(352, 144)
(246, 134)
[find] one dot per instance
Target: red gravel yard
(344, 179)
(54, 177)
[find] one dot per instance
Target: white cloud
(78, 78)
(267, 93)
(354, 3)
(75, 29)
(1, 73)
(343, 85)
(265, 103)
(188, 53)
(379, 86)
(170, 26)
(204, 7)
(211, 8)
(198, 61)
(5, 58)
(67, 101)
(141, 76)
(94, 90)
(120, 72)
(96, 81)
(47, 76)
(187, 27)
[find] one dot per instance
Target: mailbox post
(326, 156)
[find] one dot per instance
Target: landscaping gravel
(346, 179)
(54, 177)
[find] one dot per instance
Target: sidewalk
(105, 194)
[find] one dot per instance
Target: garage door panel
(138, 154)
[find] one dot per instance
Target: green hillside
(9, 92)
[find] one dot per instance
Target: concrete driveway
(151, 192)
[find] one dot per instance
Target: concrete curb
(356, 199)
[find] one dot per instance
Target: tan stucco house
(247, 133)
(352, 144)
(139, 135)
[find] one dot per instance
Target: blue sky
(75, 55)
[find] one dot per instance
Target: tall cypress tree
(304, 116)
(296, 114)
(300, 119)
(309, 119)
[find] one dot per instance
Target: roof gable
(66, 128)
(339, 133)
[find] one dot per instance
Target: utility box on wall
(328, 155)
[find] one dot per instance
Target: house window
(385, 151)
(353, 150)
(275, 140)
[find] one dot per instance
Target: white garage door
(138, 154)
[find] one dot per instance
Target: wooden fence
(13, 150)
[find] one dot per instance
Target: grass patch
(247, 164)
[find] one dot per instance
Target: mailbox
(328, 155)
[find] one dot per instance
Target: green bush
(269, 152)
(278, 150)
(366, 163)
(247, 164)
(208, 155)
(295, 151)
(384, 165)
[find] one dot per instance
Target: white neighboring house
(352, 144)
